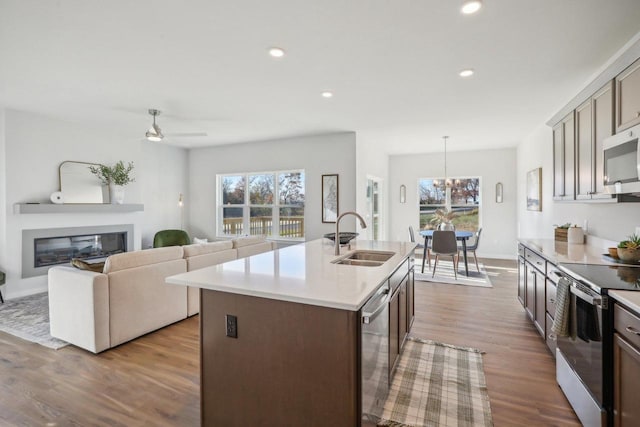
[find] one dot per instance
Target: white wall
(371, 162)
(606, 221)
(498, 220)
(3, 204)
(317, 155)
(35, 146)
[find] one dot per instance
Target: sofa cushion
(140, 258)
(247, 251)
(206, 248)
(247, 241)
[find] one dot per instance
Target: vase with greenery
(629, 250)
(443, 219)
(116, 177)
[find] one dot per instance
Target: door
(540, 308)
(394, 342)
(530, 299)
(568, 137)
(626, 383)
(374, 205)
(558, 162)
(584, 151)
(403, 325)
(628, 97)
(603, 120)
(522, 281)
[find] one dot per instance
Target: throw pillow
(200, 241)
(97, 267)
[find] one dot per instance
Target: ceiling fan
(155, 134)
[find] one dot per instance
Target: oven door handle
(597, 301)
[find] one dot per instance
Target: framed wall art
(330, 198)
(534, 190)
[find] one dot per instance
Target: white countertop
(301, 273)
(629, 298)
(572, 253)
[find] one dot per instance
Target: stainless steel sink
(365, 258)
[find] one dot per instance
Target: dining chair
(474, 247)
(412, 238)
(444, 243)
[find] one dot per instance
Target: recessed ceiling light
(471, 6)
(327, 94)
(276, 52)
(466, 73)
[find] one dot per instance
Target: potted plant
(442, 219)
(629, 250)
(116, 177)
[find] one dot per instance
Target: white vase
(446, 226)
(116, 194)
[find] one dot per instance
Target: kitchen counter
(302, 273)
(629, 298)
(570, 253)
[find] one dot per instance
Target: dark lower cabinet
(394, 329)
(540, 311)
(530, 298)
(403, 319)
(626, 383)
(522, 281)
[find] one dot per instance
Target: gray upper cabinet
(584, 146)
(558, 163)
(564, 159)
(628, 97)
(603, 120)
(594, 122)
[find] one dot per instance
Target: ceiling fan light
(471, 6)
(154, 133)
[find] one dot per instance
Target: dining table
(460, 235)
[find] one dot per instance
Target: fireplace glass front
(60, 250)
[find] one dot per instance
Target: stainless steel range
(584, 361)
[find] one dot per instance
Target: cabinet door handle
(552, 301)
(632, 330)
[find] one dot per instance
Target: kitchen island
(280, 332)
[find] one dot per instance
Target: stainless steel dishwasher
(375, 355)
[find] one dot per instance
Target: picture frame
(534, 190)
(330, 197)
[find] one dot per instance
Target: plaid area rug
(444, 274)
(437, 385)
(28, 318)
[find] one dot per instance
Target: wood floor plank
(519, 368)
(154, 380)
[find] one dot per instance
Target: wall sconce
(181, 207)
(403, 193)
(499, 191)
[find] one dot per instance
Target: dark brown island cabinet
(626, 367)
(292, 364)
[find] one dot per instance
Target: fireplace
(43, 248)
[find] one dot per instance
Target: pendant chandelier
(447, 181)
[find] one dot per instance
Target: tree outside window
(465, 201)
(266, 203)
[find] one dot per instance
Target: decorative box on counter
(561, 234)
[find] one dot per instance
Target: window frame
(247, 205)
(478, 205)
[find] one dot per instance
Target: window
(464, 198)
(264, 203)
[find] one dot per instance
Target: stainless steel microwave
(622, 162)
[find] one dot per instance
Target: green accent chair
(170, 238)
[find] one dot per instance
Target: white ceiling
(393, 65)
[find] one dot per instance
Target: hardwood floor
(519, 368)
(154, 380)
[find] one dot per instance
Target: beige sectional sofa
(97, 311)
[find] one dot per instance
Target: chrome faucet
(362, 224)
